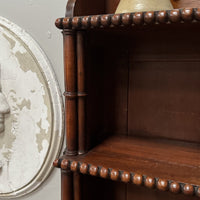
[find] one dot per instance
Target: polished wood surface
(130, 19)
(140, 119)
(70, 93)
(162, 159)
(81, 90)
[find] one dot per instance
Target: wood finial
(86, 21)
(149, 17)
(84, 168)
(105, 20)
(55, 163)
(126, 177)
(138, 18)
(104, 172)
(138, 179)
(197, 14)
(188, 189)
(175, 187)
(64, 164)
(93, 170)
(76, 22)
(162, 16)
(116, 19)
(126, 18)
(95, 20)
(175, 15)
(150, 182)
(67, 23)
(74, 166)
(59, 23)
(162, 184)
(114, 175)
(198, 192)
(187, 14)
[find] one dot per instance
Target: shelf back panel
(144, 83)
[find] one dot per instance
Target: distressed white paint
(34, 126)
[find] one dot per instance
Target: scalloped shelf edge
(130, 19)
(128, 177)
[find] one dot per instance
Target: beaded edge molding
(128, 177)
(130, 19)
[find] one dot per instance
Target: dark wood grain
(81, 89)
(70, 70)
(166, 159)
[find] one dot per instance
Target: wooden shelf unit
(142, 161)
(132, 102)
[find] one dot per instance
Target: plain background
(37, 17)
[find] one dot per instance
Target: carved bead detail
(58, 23)
(162, 184)
(64, 164)
(188, 189)
(126, 177)
(84, 168)
(162, 16)
(138, 18)
(187, 14)
(114, 175)
(86, 21)
(74, 166)
(105, 20)
(126, 18)
(175, 187)
(93, 170)
(175, 15)
(116, 19)
(104, 172)
(67, 22)
(149, 17)
(76, 21)
(149, 182)
(55, 163)
(95, 20)
(197, 14)
(138, 179)
(198, 192)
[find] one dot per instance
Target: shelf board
(188, 15)
(165, 164)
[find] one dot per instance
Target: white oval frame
(57, 108)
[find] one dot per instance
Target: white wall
(37, 17)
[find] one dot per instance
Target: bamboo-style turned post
(67, 185)
(81, 93)
(70, 71)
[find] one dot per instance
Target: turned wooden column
(70, 93)
(81, 88)
(67, 185)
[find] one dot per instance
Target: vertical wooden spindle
(81, 93)
(70, 91)
(67, 185)
(77, 186)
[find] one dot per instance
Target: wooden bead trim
(138, 18)
(128, 177)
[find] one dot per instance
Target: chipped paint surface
(29, 126)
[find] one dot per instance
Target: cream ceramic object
(143, 5)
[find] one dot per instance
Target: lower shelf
(164, 164)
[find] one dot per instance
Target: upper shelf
(185, 15)
(165, 164)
